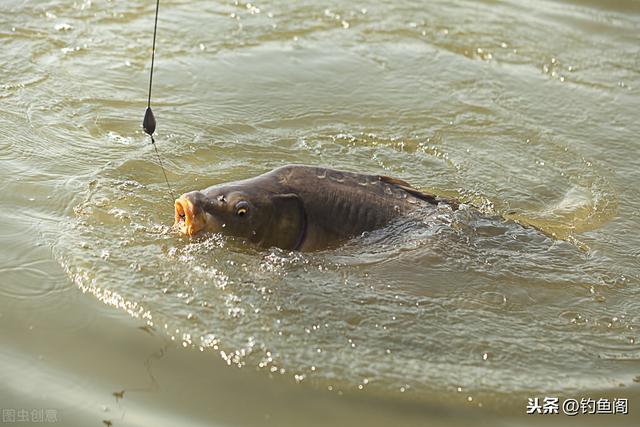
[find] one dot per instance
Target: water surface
(527, 113)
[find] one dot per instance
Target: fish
(299, 207)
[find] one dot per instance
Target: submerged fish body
(298, 207)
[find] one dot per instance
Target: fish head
(259, 215)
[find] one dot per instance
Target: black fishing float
(149, 121)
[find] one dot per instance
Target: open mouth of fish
(184, 217)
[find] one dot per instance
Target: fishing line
(149, 121)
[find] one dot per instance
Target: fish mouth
(186, 221)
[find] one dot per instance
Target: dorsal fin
(394, 181)
(417, 193)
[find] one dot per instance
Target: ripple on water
(26, 280)
(336, 317)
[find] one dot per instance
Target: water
(527, 112)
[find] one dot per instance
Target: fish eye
(242, 208)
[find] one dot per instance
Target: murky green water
(528, 112)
